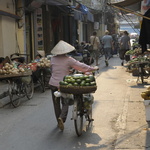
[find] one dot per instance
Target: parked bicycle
(20, 87)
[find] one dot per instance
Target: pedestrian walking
(60, 67)
(124, 46)
(107, 42)
(95, 43)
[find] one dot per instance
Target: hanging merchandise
(148, 3)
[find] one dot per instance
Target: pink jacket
(61, 64)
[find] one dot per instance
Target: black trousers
(122, 53)
(60, 107)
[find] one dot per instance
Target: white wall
(8, 36)
(8, 30)
(80, 29)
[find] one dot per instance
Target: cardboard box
(147, 109)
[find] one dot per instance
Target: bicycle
(19, 88)
(80, 109)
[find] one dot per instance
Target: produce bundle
(130, 52)
(140, 59)
(44, 62)
(78, 80)
(134, 52)
(10, 69)
(146, 95)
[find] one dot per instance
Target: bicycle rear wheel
(13, 94)
(42, 80)
(29, 89)
(78, 115)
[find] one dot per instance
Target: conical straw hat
(62, 47)
(42, 53)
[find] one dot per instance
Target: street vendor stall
(19, 82)
(41, 72)
(139, 65)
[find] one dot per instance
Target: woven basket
(77, 89)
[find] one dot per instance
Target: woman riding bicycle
(60, 67)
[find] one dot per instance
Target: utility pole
(104, 2)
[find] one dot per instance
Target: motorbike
(86, 54)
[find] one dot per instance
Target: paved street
(118, 112)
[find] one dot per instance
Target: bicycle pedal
(90, 120)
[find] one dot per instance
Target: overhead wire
(130, 22)
(126, 18)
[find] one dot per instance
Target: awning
(82, 13)
(126, 3)
(124, 6)
(38, 3)
(4, 13)
(78, 15)
(133, 5)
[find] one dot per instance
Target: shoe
(122, 64)
(60, 124)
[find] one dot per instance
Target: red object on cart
(33, 66)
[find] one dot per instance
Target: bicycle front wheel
(78, 115)
(13, 94)
(29, 89)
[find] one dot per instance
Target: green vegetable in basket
(63, 83)
(92, 78)
(87, 84)
(87, 80)
(83, 83)
(75, 84)
(93, 83)
(78, 80)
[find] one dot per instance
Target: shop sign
(39, 26)
(96, 25)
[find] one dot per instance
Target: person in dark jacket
(144, 37)
(124, 46)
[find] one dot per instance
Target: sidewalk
(133, 130)
(135, 133)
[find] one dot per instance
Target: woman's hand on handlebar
(96, 68)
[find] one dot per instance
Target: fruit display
(139, 59)
(78, 80)
(146, 95)
(134, 52)
(10, 69)
(134, 64)
(44, 62)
